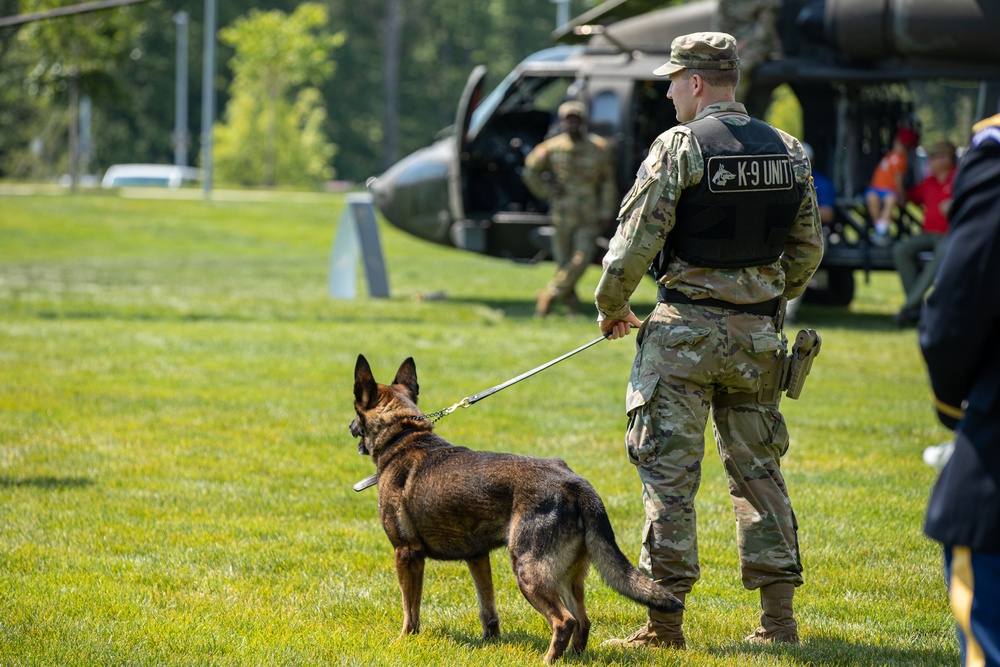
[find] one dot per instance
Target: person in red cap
(886, 189)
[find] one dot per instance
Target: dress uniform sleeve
(804, 245)
(646, 216)
(535, 166)
(962, 314)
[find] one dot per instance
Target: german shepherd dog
(440, 501)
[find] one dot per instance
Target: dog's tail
(615, 568)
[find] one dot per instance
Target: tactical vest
(748, 199)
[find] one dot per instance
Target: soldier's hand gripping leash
(469, 400)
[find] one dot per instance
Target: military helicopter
(852, 64)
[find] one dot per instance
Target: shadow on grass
(834, 651)
(474, 640)
(46, 482)
(539, 643)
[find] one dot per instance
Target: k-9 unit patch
(750, 173)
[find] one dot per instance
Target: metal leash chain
(435, 416)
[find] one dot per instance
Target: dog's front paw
(492, 629)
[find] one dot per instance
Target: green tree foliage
(133, 118)
(46, 67)
(303, 157)
(267, 138)
(126, 61)
(945, 111)
(785, 112)
(87, 46)
(442, 40)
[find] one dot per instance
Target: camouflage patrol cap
(573, 108)
(701, 50)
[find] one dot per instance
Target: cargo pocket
(683, 336)
(779, 432)
(765, 341)
(760, 364)
(639, 445)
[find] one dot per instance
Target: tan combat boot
(776, 623)
(544, 304)
(661, 631)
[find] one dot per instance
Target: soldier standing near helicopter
(724, 208)
(572, 170)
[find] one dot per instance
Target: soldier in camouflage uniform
(573, 171)
(745, 235)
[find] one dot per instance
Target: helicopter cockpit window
(652, 113)
(521, 120)
(485, 110)
(605, 113)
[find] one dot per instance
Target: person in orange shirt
(886, 189)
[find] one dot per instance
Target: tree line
(318, 90)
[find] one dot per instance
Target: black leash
(475, 398)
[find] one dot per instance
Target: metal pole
(181, 92)
(562, 12)
(74, 129)
(86, 143)
(208, 98)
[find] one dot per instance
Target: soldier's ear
(365, 387)
(407, 376)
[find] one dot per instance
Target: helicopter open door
(472, 95)
(491, 208)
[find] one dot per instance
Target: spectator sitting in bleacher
(886, 189)
(933, 195)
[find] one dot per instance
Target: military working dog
(437, 500)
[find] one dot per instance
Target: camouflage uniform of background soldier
(572, 170)
(754, 24)
(712, 339)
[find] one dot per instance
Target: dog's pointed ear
(365, 387)
(407, 376)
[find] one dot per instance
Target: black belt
(765, 308)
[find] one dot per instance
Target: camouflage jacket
(647, 215)
(573, 174)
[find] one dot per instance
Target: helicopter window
(536, 93)
(652, 114)
(605, 113)
(489, 104)
(492, 170)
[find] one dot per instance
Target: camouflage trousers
(573, 246)
(685, 356)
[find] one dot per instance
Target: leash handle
(371, 480)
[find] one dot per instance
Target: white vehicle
(149, 175)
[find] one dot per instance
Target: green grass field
(176, 466)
